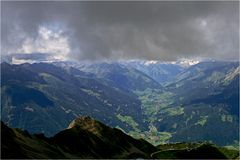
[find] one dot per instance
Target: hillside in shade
(88, 138)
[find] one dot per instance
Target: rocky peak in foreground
(90, 139)
(88, 124)
(82, 121)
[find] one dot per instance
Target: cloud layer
(122, 30)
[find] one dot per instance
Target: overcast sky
(154, 30)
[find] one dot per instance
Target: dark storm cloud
(138, 30)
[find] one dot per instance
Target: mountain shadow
(88, 138)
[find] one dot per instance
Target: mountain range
(158, 102)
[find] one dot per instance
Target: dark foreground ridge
(88, 138)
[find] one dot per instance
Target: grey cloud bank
(154, 30)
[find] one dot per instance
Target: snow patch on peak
(150, 62)
(187, 62)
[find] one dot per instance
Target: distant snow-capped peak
(150, 62)
(186, 62)
(181, 62)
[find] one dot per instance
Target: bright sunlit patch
(203, 23)
(48, 41)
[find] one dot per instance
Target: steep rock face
(87, 123)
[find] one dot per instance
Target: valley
(45, 98)
(120, 79)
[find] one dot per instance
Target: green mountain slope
(195, 106)
(44, 98)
